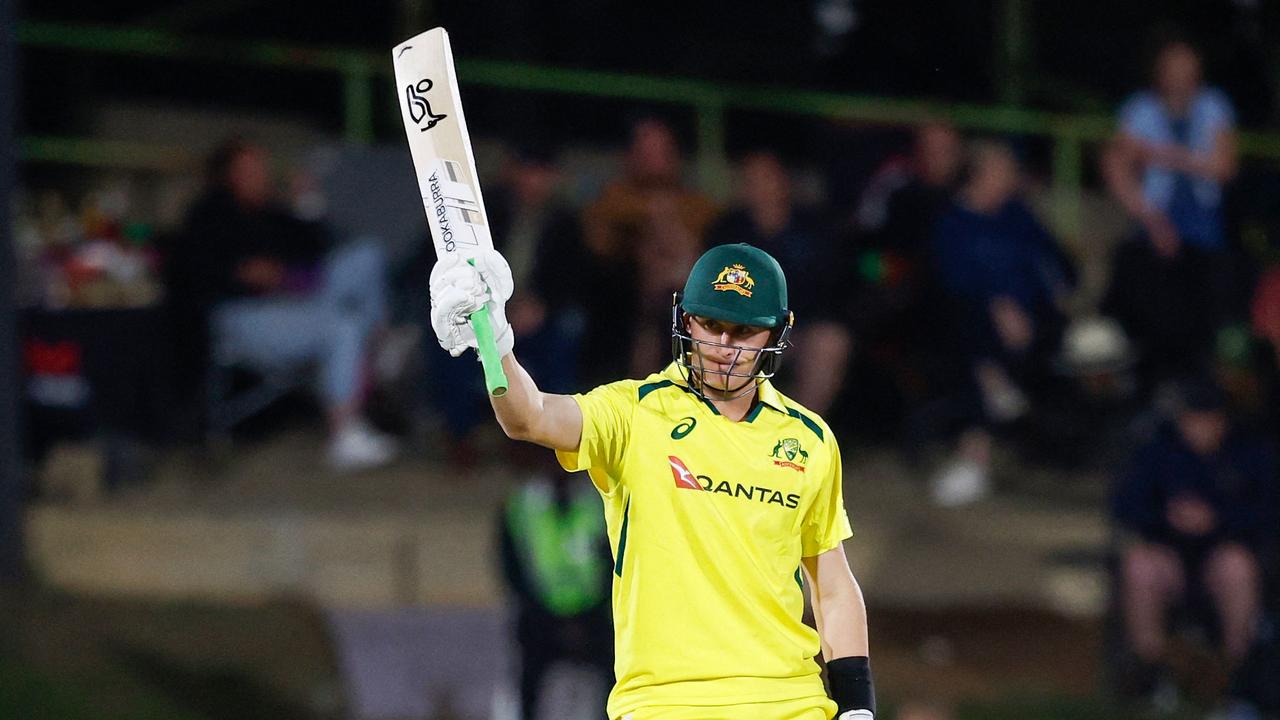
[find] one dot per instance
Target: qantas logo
(686, 480)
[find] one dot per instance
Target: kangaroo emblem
(419, 108)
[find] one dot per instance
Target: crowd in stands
(937, 313)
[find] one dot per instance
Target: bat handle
(495, 380)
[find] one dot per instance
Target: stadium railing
(710, 102)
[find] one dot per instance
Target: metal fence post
(1068, 181)
(11, 468)
(712, 162)
(357, 96)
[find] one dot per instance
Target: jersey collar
(764, 391)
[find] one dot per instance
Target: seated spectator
(276, 296)
(767, 218)
(556, 565)
(1173, 285)
(902, 202)
(644, 233)
(893, 301)
(1003, 278)
(539, 234)
(1193, 509)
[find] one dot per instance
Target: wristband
(851, 684)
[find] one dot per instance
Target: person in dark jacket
(275, 294)
(1003, 280)
(1194, 508)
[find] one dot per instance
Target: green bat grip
(494, 378)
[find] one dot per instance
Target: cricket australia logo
(419, 107)
(788, 453)
(734, 278)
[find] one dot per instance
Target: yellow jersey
(708, 520)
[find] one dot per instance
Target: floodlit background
(1031, 247)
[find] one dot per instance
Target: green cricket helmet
(739, 284)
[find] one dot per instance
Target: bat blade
(431, 109)
(436, 128)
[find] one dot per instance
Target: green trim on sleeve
(622, 539)
(808, 422)
(650, 387)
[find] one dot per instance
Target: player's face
(726, 352)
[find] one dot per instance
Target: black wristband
(851, 685)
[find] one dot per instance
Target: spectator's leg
(282, 333)
(266, 333)
(455, 387)
(1232, 577)
(821, 363)
(551, 354)
(534, 663)
(341, 358)
(1151, 576)
(355, 280)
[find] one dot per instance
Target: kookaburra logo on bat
(419, 107)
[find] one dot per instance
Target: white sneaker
(358, 447)
(960, 483)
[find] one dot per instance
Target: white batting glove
(857, 715)
(459, 289)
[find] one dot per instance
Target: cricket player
(719, 491)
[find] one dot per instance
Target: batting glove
(459, 289)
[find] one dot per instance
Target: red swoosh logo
(684, 478)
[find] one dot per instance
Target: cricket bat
(432, 112)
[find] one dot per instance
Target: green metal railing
(709, 101)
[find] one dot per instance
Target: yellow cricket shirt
(708, 519)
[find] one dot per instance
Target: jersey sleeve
(1139, 118)
(606, 430)
(1218, 111)
(826, 524)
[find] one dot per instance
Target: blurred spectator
(1194, 508)
(905, 197)
(1265, 315)
(767, 218)
(1172, 285)
(644, 231)
(556, 566)
(539, 234)
(893, 305)
(275, 295)
(1004, 279)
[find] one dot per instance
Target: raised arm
(524, 412)
(527, 413)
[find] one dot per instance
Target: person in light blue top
(1175, 148)
(1175, 283)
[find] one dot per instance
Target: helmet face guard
(685, 353)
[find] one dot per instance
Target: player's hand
(857, 715)
(459, 289)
